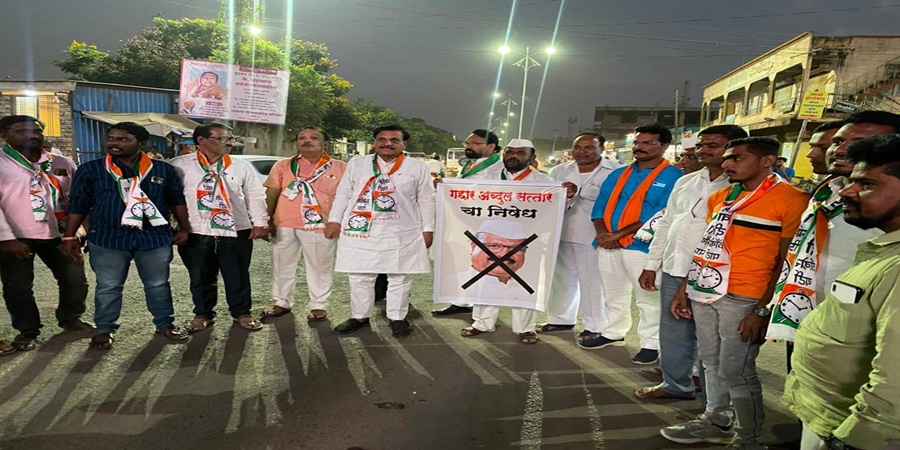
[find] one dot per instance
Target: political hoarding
(215, 90)
(497, 242)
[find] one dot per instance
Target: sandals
(172, 333)
(24, 343)
(198, 323)
(102, 341)
(316, 315)
(552, 327)
(528, 337)
(248, 323)
(471, 331)
(6, 348)
(275, 311)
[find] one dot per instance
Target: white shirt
(6, 233)
(840, 250)
(435, 166)
(491, 172)
(577, 225)
(393, 245)
(248, 197)
(682, 226)
(15, 194)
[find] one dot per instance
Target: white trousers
(620, 270)
(485, 318)
(318, 256)
(362, 295)
(809, 440)
(577, 283)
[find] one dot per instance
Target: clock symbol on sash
(311, 215)
(710, 278)
(37, 202)
(143, 209)
(207, 200)
(694, 273)
(654, 222)
(223, 220)
(357, 221)
(785, 270)
(385, 201)
(795, 306)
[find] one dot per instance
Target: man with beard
(731, 281)
(384, 206)
(843, 385)
(33, 192)
(129, 197)
(675, 237)
(576, 280)
(227, 212)
(516, 159)
(299, 194)
(628, 198)
(825, 245)
(482, 162)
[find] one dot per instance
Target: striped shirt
(95, 192)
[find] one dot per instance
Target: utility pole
(677, 100)
(509, 103)
(525, 63)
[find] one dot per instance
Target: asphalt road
(295, 385)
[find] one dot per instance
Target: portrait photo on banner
(496, 242)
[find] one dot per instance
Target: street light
(525, 63)
(255, 30)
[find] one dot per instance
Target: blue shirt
(96, 193)
(654, 201)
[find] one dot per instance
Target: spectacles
(392, 140)
(650, 143)
(500, 249)
(223, 139)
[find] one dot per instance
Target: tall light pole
(525, 63)
(509, 103)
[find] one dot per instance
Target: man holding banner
(628, 198)
(506, 240)
(482, 162)
(384, 207)
(732, 278)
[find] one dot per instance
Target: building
(616, 123)
(763, 95)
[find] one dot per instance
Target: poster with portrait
(496, 242)
(214, 90)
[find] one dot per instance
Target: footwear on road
(697, 431)
(600, 342)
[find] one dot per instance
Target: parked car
(261, 163)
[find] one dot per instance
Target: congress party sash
(632, 211)
(44, 196)
(213, 201)
(311, 212)
(378, 197)
(648, 231)
(137, 205)
(470, 169)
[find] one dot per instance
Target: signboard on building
(231, 92)
(813, 105)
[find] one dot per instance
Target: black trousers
(206, 256)
(17, 276)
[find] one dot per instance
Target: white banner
(496, 242)
(226, 91)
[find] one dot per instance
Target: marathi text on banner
(497, 242)
(230, 92)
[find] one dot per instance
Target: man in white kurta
(384, 213)
(484, 317)
(483, 162)
(576, 280)
(226, 206)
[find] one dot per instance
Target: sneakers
(600, 342)
(697, 431)
(646, 356)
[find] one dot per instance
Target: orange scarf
(632, 212)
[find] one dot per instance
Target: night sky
(438, 60)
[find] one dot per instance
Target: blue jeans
(111, 268)
(677, 345)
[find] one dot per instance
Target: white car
(261, 163)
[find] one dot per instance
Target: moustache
(507, 260)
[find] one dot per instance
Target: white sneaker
(697, 431)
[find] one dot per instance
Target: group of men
(710, 257)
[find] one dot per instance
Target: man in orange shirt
(299, 195)
(732, 279)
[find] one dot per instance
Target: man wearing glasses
(227, 209)
(482, 162)
(629, 197)
(675, 237)
(576, 281)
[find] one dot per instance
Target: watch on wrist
(833, 443)
(762, 311)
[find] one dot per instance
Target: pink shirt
(15, 199)
(287, 212)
